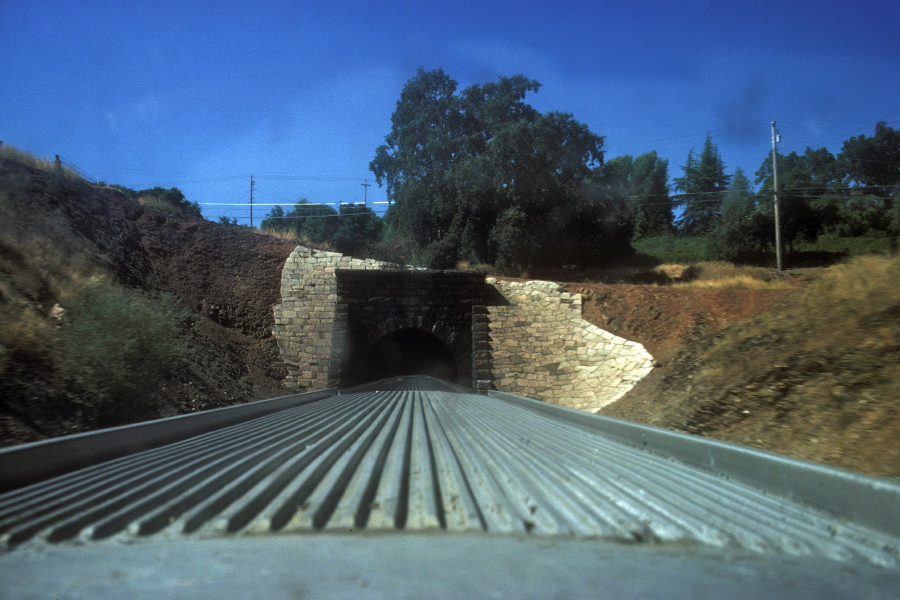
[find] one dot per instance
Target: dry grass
(848, 304)
(721, 275)
(282, 234)
(672, 271)
(701, 275)
(157, 204)
(13, 153)
(820, 377)
(863, 281)
(465, 265)
(301, 240)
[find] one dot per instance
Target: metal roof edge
(450, 566)
(29, 463)
(870, 501)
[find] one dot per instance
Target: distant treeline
(351, 231)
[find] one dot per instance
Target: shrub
(672, 249)
(116, 347)
(170, 201)
(879, 244)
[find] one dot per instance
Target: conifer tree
(703, 188)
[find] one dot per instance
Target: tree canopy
(637, 190)
(852, 194)
(482, 176)
(703, 187)
(874, 161)
(349, 231)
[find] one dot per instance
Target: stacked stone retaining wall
(542, 348)
(304, 321)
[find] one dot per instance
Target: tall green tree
(608, 214)
(414, 162)
(703, 187)
(803, 180)
(351, 230)
(316, 222)
(613, 180)
(540, 168)
(454, 164)
(275, 220)
(357, 227)
(874, 162)
(745, 228)
(649, 197)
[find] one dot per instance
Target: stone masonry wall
(532, 342)
(543, 349)
(304, 321)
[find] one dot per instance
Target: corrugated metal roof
(416, 454)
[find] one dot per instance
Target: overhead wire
(319, 177)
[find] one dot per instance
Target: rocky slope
(226, 278)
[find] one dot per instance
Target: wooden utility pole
(251, 202)
(366, 186)
(775, 139)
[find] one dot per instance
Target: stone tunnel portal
(406, 352)
(343, 317)
(405, 322)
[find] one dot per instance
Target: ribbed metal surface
(419, 458)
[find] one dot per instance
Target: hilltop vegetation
(480, 177)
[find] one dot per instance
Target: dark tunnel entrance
(408, 352)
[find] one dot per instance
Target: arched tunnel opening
(407, 352)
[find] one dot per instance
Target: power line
(84, 175)
(303, 217)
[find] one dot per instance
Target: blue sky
(202, 95)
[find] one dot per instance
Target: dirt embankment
(734, 367)
(666, 319)
(228, 279)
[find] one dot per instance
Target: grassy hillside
(62, 312)
(112, 311)
(819, 378)
(826, 249)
